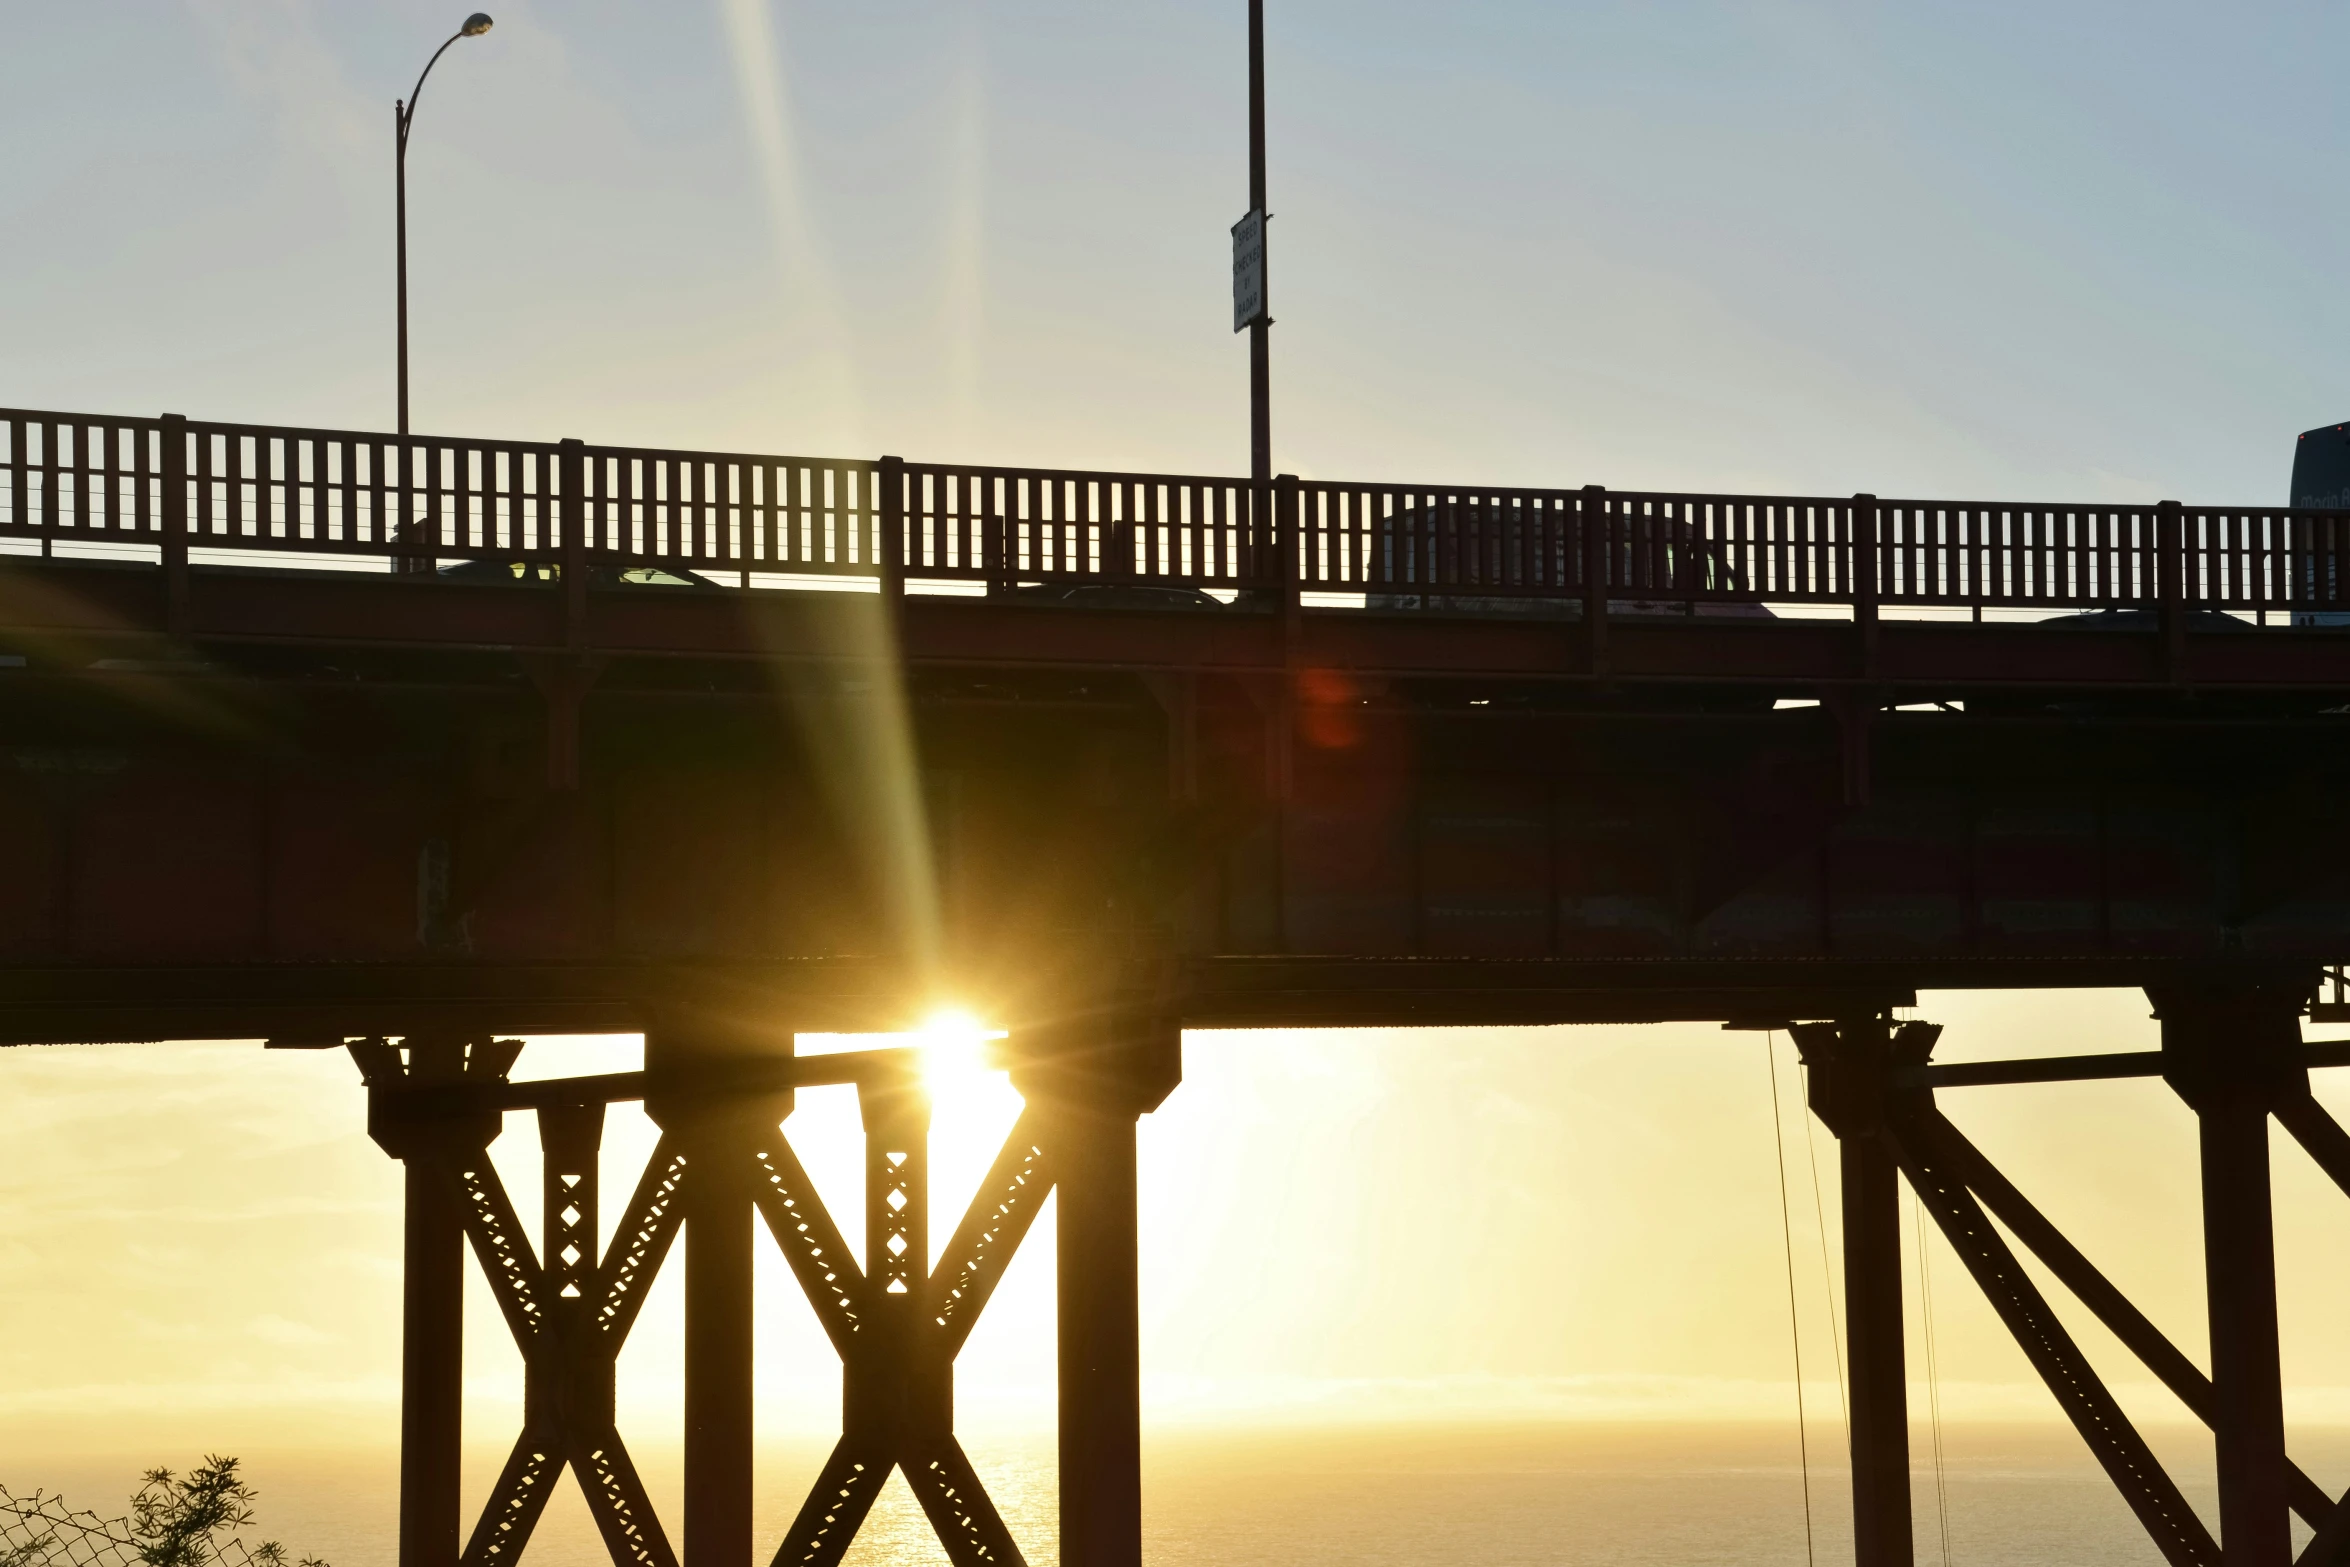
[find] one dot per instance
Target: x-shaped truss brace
(569, 1314)
(898, 1324)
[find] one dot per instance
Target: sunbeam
(857, 727)
(811, 290)
(965, 278)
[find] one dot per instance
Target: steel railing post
(1592, 510)
(1289, 552)
(572, 466)
(890, 478)
(1289, 546)
(2170, 546)
(174, 436)
(1863, 585)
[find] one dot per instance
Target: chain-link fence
(41, 1531)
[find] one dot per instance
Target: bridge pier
(1100, 1357)
(432, 1370)
(432, 1342)
(718, 1427)
(432, 1279)
(1874, 1354)
(1093, 1091)
(2235, 1057)
(688, 1064)
(722, 1098)
(1850, 1063)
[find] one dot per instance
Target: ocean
(1560, 1495)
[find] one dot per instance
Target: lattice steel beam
(569, 1312)
(1008, 1201)
(836, 1506)
(897, 1323)
(2110, 1306)
(2128, 1462)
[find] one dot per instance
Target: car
(1489, 548)
(1108, 595)
(2142, 618)
(1502, 607)
(601, 575)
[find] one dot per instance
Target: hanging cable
(1794, 1321)
(1933, 1377)
(1819, 1214)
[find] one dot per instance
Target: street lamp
(1249, 271)
(402, 113)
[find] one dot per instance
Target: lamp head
(475, 25)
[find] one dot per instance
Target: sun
(954, 1046)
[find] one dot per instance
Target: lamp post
(1259, 322)
(402, 114)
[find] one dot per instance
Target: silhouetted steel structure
(1103, 756)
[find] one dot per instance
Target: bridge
(418, 746)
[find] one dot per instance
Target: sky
(2046, 250)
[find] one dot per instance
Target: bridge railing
(160, 486)
(1008, 526)
(2077, 557)
(420, 500)
(1404, 542)
(1407, 544)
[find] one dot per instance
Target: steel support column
(432, 1279)
(1100, 1351)
(432, 1365)
(2234, 1056)
(717, 1364)
(1849, 1063)
(1093, 1085)
(2239, 1262)
(687, 1067)
(1878, 1372)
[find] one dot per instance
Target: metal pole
(1260, 349)
(400, 227)
(403, 115)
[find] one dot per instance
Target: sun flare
(955, 1048)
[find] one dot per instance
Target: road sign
(1248, 271)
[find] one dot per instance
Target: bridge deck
(1326, 753)
(117, 611)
